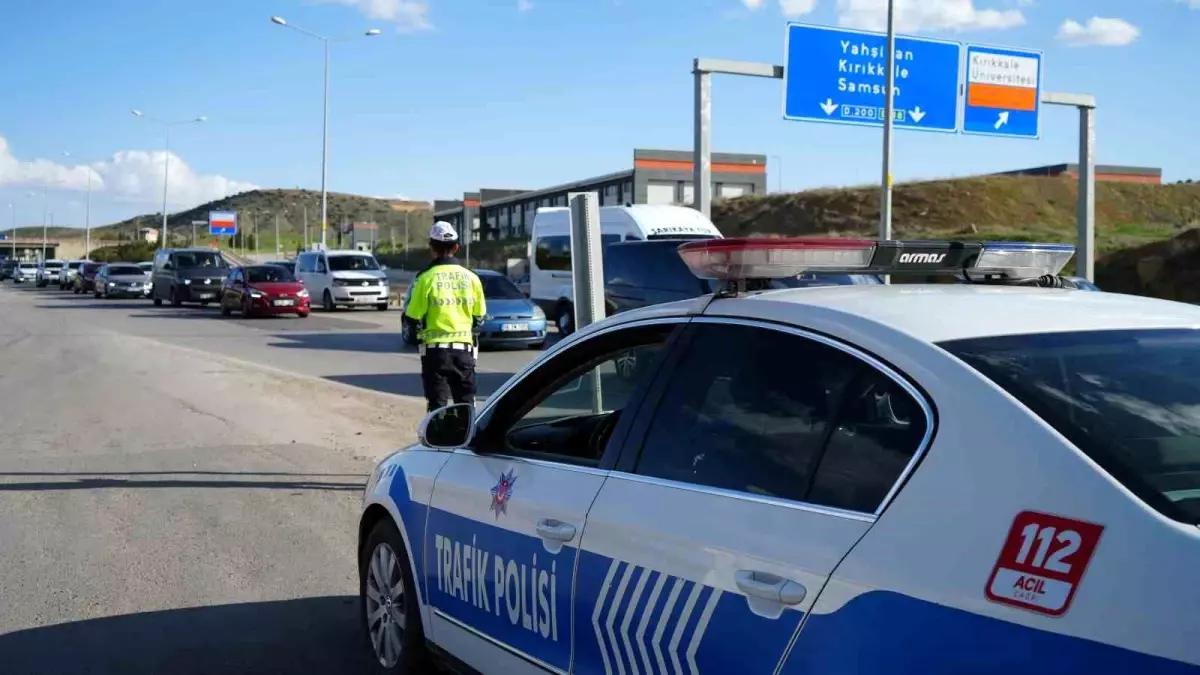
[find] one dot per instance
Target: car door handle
(770, 587)
(548, 528)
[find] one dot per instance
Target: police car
(988, 477)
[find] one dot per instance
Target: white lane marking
(625, 632)
(596, 613)
(645, 622)
(612, 617)
(672, 598)
(698, 634)
(684, 617)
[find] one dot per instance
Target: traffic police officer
(448, 306)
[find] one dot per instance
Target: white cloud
(129, 175)
(524, 5)
(754, 5)
(926, 15)
(407, 15)
(797, 8)
(1098, 32)
(1194, 4)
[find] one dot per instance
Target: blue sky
(460, 94)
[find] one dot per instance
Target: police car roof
(936, 312)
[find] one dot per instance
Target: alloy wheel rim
(384, 591)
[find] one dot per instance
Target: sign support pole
(1085, 215)
(889, 113)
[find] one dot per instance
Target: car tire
(247, 311)
(383, 306)
(96, 294)
(564, 318)
(176, 297)
(225, 310)
(302, 315)
(384, 543)
(327, 302)
(158, 302)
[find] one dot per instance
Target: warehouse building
(1104, 172)
(656, 177)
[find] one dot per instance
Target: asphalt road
(179, 492)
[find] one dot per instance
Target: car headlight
(487, 317)
(538, 313)
(256, 295)
(111, 284)
(302, 294)
(187, 282)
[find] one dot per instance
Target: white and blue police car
(993, 477)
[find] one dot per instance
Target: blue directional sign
(840, 76)
(1003, 93)
(222, 223)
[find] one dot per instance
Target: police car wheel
(565, 319)
(388, 603)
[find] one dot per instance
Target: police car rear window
(1129, 399)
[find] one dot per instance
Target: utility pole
(406, 240)
(307, 244)
(276, 234)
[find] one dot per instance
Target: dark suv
(641, 273)
(187, 275)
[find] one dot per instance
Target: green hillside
(1017, 208)
(259, 210)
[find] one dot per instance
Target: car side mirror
(448, 428)
(168, 266)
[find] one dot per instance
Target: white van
(550, 281)
(343, 279)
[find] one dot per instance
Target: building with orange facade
(656, 177)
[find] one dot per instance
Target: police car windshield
(352, 263)
(499, 288)
(1129, 399)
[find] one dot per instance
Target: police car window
(553, 253)
(878, 428)
(566, 409)
(747, 409)
(1129, 399)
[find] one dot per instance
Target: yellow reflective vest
(448, 298)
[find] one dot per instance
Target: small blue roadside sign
(839, 76)
(1003, 94)
(222, 223)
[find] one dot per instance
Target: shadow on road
(92, 304)
(309, 635)
(409, 384)
(375, 342)
(100, 481)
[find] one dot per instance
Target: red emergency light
(749, 258)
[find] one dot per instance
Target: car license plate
(512, 327)
(283, 303)
(205, 296)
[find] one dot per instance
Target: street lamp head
(278, 20)
(373, 31)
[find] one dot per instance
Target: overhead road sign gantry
(222, 223)
(1003, 94)
(839, 76)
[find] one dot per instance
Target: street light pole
(278, 20)
(163, 243)
(13, 207)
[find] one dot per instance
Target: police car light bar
(764, 258)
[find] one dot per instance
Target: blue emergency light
(749, 258)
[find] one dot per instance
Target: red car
(85, 281)
(263, 290)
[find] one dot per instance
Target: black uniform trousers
(447, 374)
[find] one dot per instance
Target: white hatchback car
(984, 478)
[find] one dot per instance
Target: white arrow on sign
(917, 114)
(829, 106)
(1001, 120)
